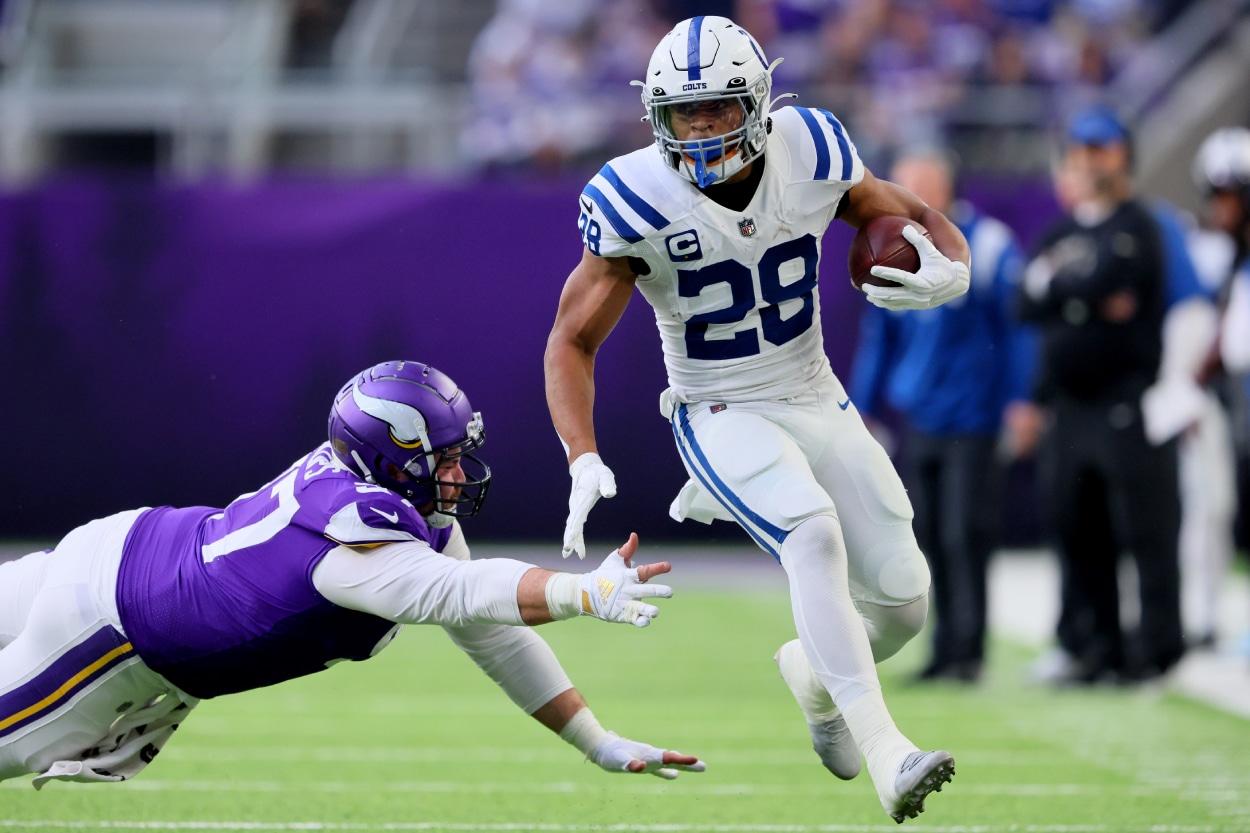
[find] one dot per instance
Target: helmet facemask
(713, 159)
(467, 496)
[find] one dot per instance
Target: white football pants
(812, 487)
(67, 672)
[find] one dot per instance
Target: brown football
(880, 242)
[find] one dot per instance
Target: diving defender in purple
(110, 639)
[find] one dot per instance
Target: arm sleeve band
(412, 584)
(583, 731)
(517, 659)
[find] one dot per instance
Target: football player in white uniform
(723, 240)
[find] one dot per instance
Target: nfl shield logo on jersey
(747, 227)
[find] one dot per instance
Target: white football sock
(812, 696)
(836, 644)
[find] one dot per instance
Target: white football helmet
(705, 59)
(1223, 161)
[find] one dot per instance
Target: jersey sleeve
(366, 515)
(822, 149)
(616, 218)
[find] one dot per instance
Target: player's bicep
(592, 302)
(874, 197)
(410, 583)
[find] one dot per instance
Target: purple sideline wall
(181, 345)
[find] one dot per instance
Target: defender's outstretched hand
(617, 754)
(591, 480)
(612, 591)
(939, 279)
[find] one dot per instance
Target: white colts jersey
(734, 292)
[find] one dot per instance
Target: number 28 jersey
(734, 292)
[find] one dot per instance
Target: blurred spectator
(1222, 172)
(1187, 397)
(550, 81)
(951, 372)
(1098, 290)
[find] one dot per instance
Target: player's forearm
(556, 713)
(531, 597)
(520, 662)
(570, 385)
(946, 235)
(411, 584)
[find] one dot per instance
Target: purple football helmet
(409, 415)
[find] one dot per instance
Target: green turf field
(419, 739)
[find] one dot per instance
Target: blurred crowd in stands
(550, 81)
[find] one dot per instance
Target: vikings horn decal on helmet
(709, 63)
(396, 422)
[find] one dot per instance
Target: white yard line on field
(688, 786)
(519, 827)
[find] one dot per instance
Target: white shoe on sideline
(920, 774)
(831, 737)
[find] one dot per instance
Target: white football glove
(938, 280)
(591, 479)
(614, 753)
(611, 593)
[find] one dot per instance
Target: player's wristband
(562, 596)
(583, 731)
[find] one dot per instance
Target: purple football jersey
(222, 600)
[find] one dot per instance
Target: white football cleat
(836, 748)
(831, 737)
(920, 774)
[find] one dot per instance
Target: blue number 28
(777, 330)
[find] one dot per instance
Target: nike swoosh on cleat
(392, 517)
(844, 405)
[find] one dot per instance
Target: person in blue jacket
(953, 373)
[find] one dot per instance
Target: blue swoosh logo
(843, 405)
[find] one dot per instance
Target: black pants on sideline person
(953, 483)
(1110, 491)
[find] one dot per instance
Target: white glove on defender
(611, 593)
(939, 279)
(614, 753)
(591, 479)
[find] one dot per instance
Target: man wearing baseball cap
(1098, 290)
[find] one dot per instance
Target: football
(880, 242)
